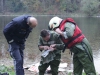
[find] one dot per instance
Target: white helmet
(54, 22)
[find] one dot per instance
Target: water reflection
(89, 26)
(97, 61)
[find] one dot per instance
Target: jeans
(16, 52)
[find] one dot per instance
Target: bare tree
(2, 5)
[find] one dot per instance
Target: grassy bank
(10, 70)
(5, 69)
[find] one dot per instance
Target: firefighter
(50, 45)
(74, 39)
(16, 32)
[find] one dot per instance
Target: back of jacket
(17, 29)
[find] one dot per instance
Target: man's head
(54, 22)
(45, 34)
(32, 22)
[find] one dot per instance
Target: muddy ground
(9, 62)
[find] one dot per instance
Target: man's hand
(46, 47)
(61, 33)
(58, 31)
(51, 49)
(53, 45)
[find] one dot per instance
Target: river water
(89, 26)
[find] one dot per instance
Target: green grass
(70, 73)
(5, 69)
(10, 70)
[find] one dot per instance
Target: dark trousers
(53, 64)
(16, 52)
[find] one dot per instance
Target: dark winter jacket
(17, 30)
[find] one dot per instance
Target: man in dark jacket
(16, 32)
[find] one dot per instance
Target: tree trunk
(2, 6)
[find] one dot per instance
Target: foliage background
(51, 7)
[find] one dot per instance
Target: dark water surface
(89, 26)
